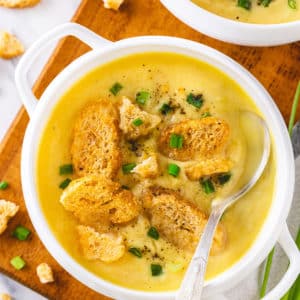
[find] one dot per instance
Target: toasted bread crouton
(7, 210)
(107, 247)
(113, 4)
(44, 272)
(10, 46)
(129, 113)
(148, 168)
(208, 167)
(95, 147)
(5, 297)
(18, 3)
(96, 201)
(202, 138)
(178, 220)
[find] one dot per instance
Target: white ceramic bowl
(233, 31)
(274, 228)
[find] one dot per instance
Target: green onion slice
(176, 141)
(66, 169)
(208, 186)
(65, 183)
(195, 100)
(156, 269)
(142, 97)
(18, 263)
(246, 4)
(165, 109)
(137, 122)
(135, 251)
(116, 88)
(173, 170)
(21, 233)
(127, 168)
(3, 185)
(153, 233)
(292, 4)
(224, 178)
(206, 114)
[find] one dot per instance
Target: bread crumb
(107, 247)
(7, 211)
(113, 4)
(5, 297)
(44, 273)
(10, 46)
(18, 3)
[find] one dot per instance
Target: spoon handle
(192, 284)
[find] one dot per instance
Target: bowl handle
(82, 33)
(288, 245)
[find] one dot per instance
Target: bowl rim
(228, 30)
(96, 58)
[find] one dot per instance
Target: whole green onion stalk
(294, 292)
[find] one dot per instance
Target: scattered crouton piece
(96, 201)
(107, 247)
(5, 297)
(129, 113)
(148, 168)
(95, 147)
(113, 4)
(10, 46)
(18, 3)
(208, 167)
(178, 220)
(44, 273)
(203, 138)
(7, 210)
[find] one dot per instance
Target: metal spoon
(260, 146)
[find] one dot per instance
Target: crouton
(148, 168)
(107, 247)
(207, 167)
(95, 147)
(5, 297)
(18, 3)
(44, 272)
(7, 210)
(113, 4)
(129, 113)
(203, 138)
(10, 46)
(178, 220)
(97, 201)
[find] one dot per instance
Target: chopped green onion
(156, 269)
(142, 97)
(208, 186)
(18, 263)
(153, 233)
(165, 109)
(66, 169)
(195, 100)
(206, 114)
(173, 170)
(137, 122)
(265, 3)
(21, 233)
(3, 185)
(127, 168)
(65, 183)
(224, 178)
(246, 4)
(136, 252)
(176, 141)
(116, 88)
(292, 4)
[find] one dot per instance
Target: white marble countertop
(28, 25)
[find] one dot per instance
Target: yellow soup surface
(166, 76)
(278, 11)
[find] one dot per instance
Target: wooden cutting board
(278, 69)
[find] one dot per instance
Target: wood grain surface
(277, 68)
